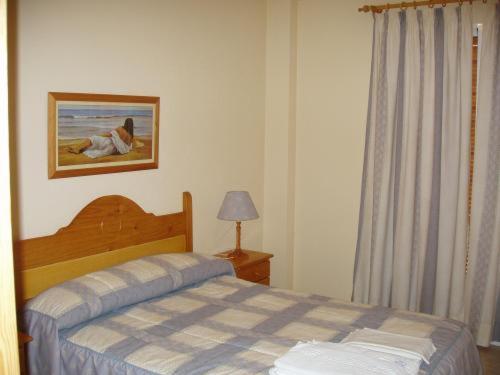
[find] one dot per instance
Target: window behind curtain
(475, 48)
(475, 70)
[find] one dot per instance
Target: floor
(491, 360)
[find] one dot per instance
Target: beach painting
(97, 133)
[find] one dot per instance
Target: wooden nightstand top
(253, 257)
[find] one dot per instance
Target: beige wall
(225, 71)
(334, 49)
(329, 88)
(205, 59)
(279, 169)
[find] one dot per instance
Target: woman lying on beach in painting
(118, 140)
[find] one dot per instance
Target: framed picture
(96, 133)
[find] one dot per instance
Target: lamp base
(232, 254)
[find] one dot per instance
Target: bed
(143, 303)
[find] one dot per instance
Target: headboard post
(187, 204)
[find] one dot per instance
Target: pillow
(86, 297)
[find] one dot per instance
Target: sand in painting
(142, 150)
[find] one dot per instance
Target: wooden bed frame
(108, 231)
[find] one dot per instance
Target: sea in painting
(76, 123)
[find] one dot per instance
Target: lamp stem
(238, 236)
(237, 252)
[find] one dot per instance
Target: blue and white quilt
(188, 314)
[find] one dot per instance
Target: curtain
(411, 249)
(482, 286)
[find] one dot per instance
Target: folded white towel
(321, 358)
(387, 342)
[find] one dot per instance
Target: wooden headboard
(108, 231)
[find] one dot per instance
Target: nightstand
(255, 266)
(22, 340)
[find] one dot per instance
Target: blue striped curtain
(412, 236)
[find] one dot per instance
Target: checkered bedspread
(230, 326)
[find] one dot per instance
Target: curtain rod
(412, 4)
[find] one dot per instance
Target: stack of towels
(364, 352)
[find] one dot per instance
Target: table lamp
(237, 206)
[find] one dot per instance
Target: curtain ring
(402, 5)
(431, 5)
(387, 7)
(444, 4)
(415, 5)
(485, 1)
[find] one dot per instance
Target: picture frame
(92, 134)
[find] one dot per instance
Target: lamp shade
(237, 206)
